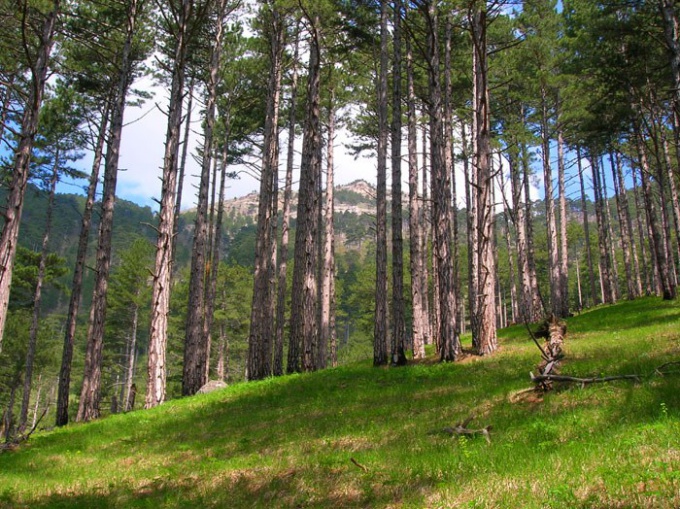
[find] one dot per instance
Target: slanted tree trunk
(381, 321)
(37, 299)
(484, 330)
(303, 321)
(63, 392)
(398, 353)
(415, 242)
(88, 407)
(161, 285)
(22, 158)
(183, 160)
(196, 344)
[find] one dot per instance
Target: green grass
(290, 442)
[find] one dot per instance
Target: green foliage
(363, 437)
(25, 277)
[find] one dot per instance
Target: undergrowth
(359, 436)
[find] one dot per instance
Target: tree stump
(554, 331)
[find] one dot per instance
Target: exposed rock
(212, 386)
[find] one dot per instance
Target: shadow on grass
(289, 442)
(312, 487)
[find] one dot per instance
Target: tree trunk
(327, 333)
(484, 330)
(425, 224)
(451, 168)
(667, 286)
(37, 299)
(77, 283)
(132, 359)
(605, 278)
(222, 355)
(564, 249)
(285, 219)
(669, 176)
(539, 305)
(551, 227)
(416, 262)
(88, 407)
(586, 229)
(22, 160)
(613, 264)
(511, 269)
(639, 208)
(303, 321)
(621, 202)
(381, 322)
(262, 327)
(447, 338)
(215, 252)
(161, 286)
(183, 160)
(196, 349)
(398, 353)
(530, 310)
(672, 31)
(666, 215)
(470, 171)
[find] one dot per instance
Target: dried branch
(461, 428)
(362, 467)
(582, 381)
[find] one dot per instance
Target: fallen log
(583, 381)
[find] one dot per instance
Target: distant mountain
(357, 197)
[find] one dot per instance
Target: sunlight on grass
(363, 437)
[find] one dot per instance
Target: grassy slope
(290, 442)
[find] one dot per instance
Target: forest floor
(359, 436)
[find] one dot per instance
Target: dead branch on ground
(461, 429)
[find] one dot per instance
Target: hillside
(357, 197)
(364, 437)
